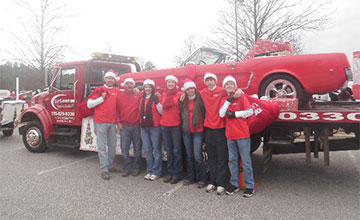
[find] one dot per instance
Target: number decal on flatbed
(320, 116)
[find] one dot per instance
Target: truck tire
(9, 132)
(283, 86)
(255, 142)
(33, 137)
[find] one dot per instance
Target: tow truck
(52, 118)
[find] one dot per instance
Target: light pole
(236, 28)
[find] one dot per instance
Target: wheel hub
(33, 137)
(281, 88)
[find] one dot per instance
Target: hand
(230, 114)
(157, 94)
(231, 97)
(136, 91)
(238, 93)
(119, 126)
(155, 99)
(103, 95)
(182, 97)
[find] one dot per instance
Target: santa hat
(188, 84)
(210, 75)
(149, 82)
(112, 73)
(129, 80)
(171, 77)
(229, 79)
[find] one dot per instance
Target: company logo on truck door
(57, 102)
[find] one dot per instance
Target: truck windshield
(205, 56)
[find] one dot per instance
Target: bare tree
(39, 46)
(190, 45)
(245, 21)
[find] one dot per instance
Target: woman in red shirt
(192, 115)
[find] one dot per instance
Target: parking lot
(66, 184)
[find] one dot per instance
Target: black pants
(218, 155)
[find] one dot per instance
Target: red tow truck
(52, 118)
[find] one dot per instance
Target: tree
(190, 45)
(39, 46)
(277, 20)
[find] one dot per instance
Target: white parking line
(4, 151)
(176, 188)
(353, 159)
(66, 165)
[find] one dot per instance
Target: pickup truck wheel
(10, 130)
(33, 137)
(283, 86)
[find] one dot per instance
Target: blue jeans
(127, 135)
(235, 147)
(151, 138)
(106, 135)
(172, 139)
(195, 163)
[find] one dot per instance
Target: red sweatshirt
(128, 108)
(237, 128)
(106, 111)
(191, 114)
(212, 102)
(155, 114)
(171, 116)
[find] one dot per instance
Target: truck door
(62, 102)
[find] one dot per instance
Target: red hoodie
(128, 108)
(212, 102)
(106, 111)
(171, 116)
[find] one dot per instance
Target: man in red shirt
(105, 122)
(129, 116)
(236, 111)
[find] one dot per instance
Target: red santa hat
(188, 84)
(171, 77)
(112, 73)
(210, 75)
(131, 80)
(149, 82)
(229, 79)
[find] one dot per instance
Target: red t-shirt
(212, 101)
(171, 116)
(106, 112)
(128, 108)
(155, 114)
(237, 128)
(191, 114)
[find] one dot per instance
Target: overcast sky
(156, 29)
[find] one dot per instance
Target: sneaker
(114, 170)
(135, 173)
(201, 185)
(125, 173)
(167, 179)
(147, 176)
(248, 192)
(154, 177)
(105, 175)
(231, 189)
(188, 183)
(220, 190)
(210, 188)
(174, 181)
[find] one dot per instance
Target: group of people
(216, 114)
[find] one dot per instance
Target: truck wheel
(33, 137)
(9, 132)
(283, 86)
(255, 142)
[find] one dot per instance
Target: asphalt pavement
(66, 184)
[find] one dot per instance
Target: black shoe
(167, 179)
(248, 192)
(125, 173)
(231, 189)
(105, 175)
(174, 181)
(135, 173)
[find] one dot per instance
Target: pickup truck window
(65, 79)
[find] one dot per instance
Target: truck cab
(53, 115)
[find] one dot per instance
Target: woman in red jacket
(170, 128)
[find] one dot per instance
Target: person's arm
(244, 113)
(158, 105)
(92, 103)
(224, 108)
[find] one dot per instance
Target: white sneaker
(210, 188)
(220, 190)
(147, 176)
(154, 177)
